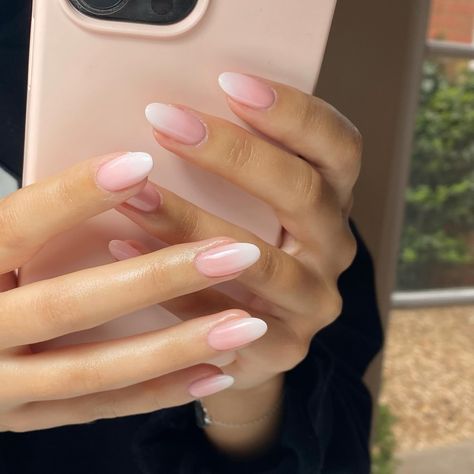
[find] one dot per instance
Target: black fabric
(327, 409)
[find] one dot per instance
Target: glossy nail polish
(235, 333)
(227, 259)
(147, 200)
(122, 250)
(124, 171)
(176, 123)
(209, 385)
(247, 90)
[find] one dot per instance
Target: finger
(82, 369)
(90, 297)
(36, 213)
(303, 123)
(290, 185)
(153, 395)
(285, 344)
(7, 281)
(269, 278)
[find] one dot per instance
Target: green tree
(440, 198)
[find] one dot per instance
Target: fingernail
(122, 250)
(147, 200)
(247, 90)
(222, 359)
(176, 123)
(236, 333)
(209, 385)
(227, 259)
(124, 171)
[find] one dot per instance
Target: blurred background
(403, 72)
(427, 397)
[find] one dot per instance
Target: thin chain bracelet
(203, 418)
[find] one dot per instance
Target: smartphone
(96, 64)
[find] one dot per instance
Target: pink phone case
(90, 81)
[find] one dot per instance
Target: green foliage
(440, 198)
(383, 448)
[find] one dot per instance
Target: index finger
(305, 124)
(38, 212)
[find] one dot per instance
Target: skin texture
(308, 181)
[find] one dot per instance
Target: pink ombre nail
(210, 385)
(124, 171)
(176, 123)
(227, 259)
(122, 250)
(247, 90)
(235, 333)
(147, 200)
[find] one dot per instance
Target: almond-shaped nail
(247, 90)
(235, 333)
(227, 259)
(209, 385)
(147, 200)
(124, 171)
(176, 123)
(122, 250)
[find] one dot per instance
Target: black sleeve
(327, 409)
(14, 39)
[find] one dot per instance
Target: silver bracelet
(204, 419)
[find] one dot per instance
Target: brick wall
(452, 20)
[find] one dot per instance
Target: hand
(306, 175)
(137, 374)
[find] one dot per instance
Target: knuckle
(241, 151)
(307, 114)
(293, 352)
(189, 223)
(346, 253)
(66, 191)
(353, 145)
(309, 189)
(268, 264)
(351, 250)
(356, 140)
(331, 307)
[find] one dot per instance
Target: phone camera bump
(102, 7)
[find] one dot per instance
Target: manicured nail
(122, 250)
(222, 359)
(227, 259)
(235, 333)
(124, 171)
(247, 90)
(176, 123)
(209, 385)
(147, 200)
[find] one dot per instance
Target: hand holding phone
(138, 374)
(94, 67)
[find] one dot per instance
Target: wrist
(247, 421)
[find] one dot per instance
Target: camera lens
(102, 6)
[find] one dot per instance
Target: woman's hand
(305, 172)
(137, 374)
